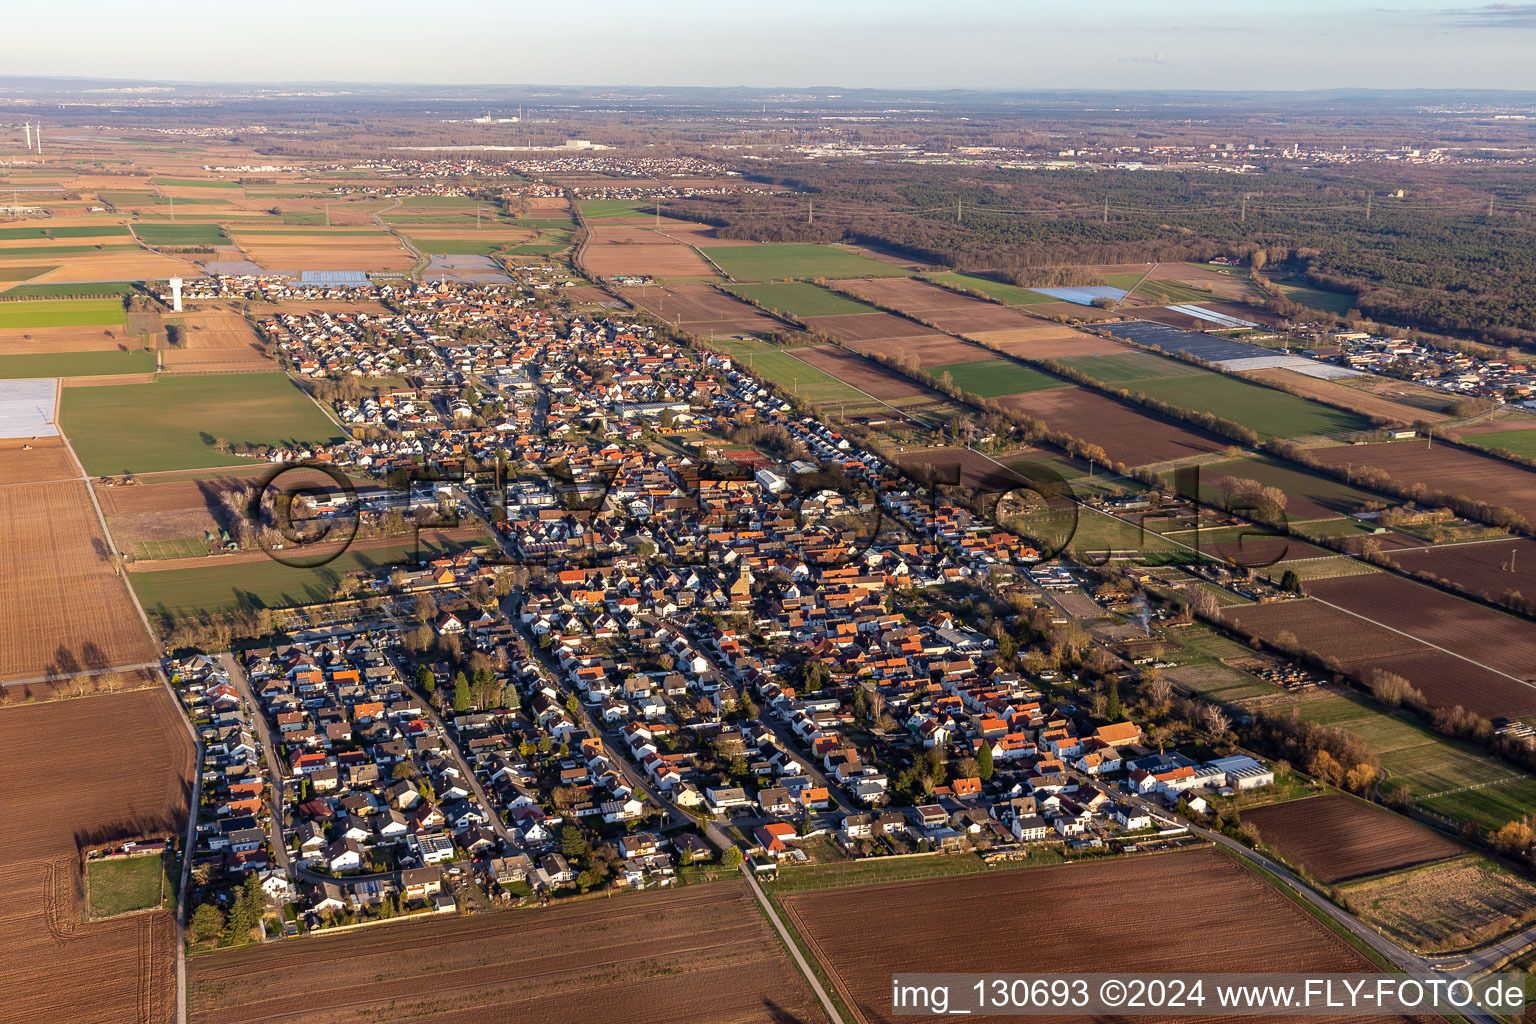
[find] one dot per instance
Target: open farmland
(785, 261)
(1042, 339)
(1490, 568)
(1442, 469)
(664, 259)
(54, 758)
(1352, 398)
(1492, 638)
(1009, 294)
(861, 327)
(1126, 434)
(65, 606)
(696, 955)
(869, 377)
(35, 460)
(175, 419)
(1359, 646)
(940, 307)
(1335, 837)
(78, 364)
(322, 252)
(1267, 411)
(991, 378)
(62, 313)
(1446, 905)
(1517, 442)
(215, 340)
(1172, 913)
(703, 310)
(1308, 495)
(799, 299)
(929, 350)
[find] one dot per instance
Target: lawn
(181, 234)
(76, 364)
(782, 261)
(1518, 442)
(1265, 410)
(175, 422)
(991, 378)
(1011, 294)
(64, 313)
(798, 298)
(118, 886)
(243, 586)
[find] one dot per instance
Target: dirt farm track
(1168, 912)
(73, 774)
(699, 955)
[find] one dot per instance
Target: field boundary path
(794, 950)
(422, 259)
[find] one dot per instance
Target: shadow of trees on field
(778, 1015)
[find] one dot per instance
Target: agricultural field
(1201, 902)
(175, 419)
(703, 310)
(780, 368)
(1008, 294)
(1336, 837)
(1442, 469)
(991, 378)
(943, 309)
(869, 377)
(54, 757)
(798, 299)
(1317, 298)
(1490, 568)
(1491, 638)
(802, 260)
(1446, 905)
(1355, 399)
(62, 313)
(214, 340)
(76, 364)
(65, 604)
(1126, 434)
(251, 580)
(860, 328)
(1521, 443)
(929, 350)
(1308, 495)
(696, 955)
(1268, 412)
(35, 460)
(1358, 646)
(181, 234)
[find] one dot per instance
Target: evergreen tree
(984, 761)
(460, 693)
(426, 682)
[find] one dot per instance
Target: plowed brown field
(697, 955)
(1165, 913)
(35, 461)
(1443, 469)
(64, 605)
(1043, 340)
(859, 327)
(869, 377)
(1126, 434)
(57, 759)
(1353, 399)
(1336, 837)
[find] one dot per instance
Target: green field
(1132, 366)
(175, 422)
(181, 234)
(185, 547)
(1317, 298)
(50, 251)
(536, 249)
(460, 246)
(441, 202)
(304, 217)
(1011, 294)
(1296, 483)
(801, 379)
(84, 289)
(264, 583)
(798, 298)
(782, 261)
(595, 209)
(8, 273)
(70, 313)
(1166, 292)
(119, 886)
(76, 364)
(1438, 771)
(1517, 442)
(195, 183)
(1264, 410)
(991, 378)
(70, 231)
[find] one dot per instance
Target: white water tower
(176, 294)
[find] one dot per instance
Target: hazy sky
(1183, 44)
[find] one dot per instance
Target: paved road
(277, 838)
